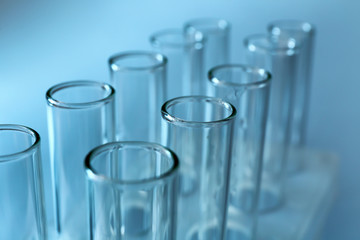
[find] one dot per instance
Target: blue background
(44, 43)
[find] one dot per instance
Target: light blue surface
(46, 43)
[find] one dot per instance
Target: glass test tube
(199, 130)
(281, 59)
(22, 206)
(303, 33)
(139, 78)
(217, 36)
(132, 191)
(247, 88)
(80, 117)
(185, 61)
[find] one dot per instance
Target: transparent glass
(139, 78)
(199, 130)
(185, 56)
(22, 206)
(281, 59)
(80, 117)
(247, 88)
(217, 36)
(132, 191)
(303, 33)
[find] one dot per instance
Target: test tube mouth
(176, 38)
(137, 61)
(95, 175)
(277, 26)
(171, 113)
(207, 25)
(243, 76)
(24, 146)
(79, 94)
(265, 43)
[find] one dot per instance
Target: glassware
(139, 79)
(132, 191)
(185, 55)
(303, 33)
(217, 35)
(80, 117)
(22, 206)
(199, 130)
(281, 58)
(247, 88)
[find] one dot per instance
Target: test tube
(132, 191)
(281, 59)
(80, 117)
(247, 88)
(22, 206)
(139, 78)
(185, 61)
(199, 130)
(303, 33)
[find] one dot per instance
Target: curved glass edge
(30, 150)
(291, 24)
(292, 47)
(264, 76)
(178, 121)
(160, 58)
(58, 87)
(216, 24)
(94, 176)
(157, 42)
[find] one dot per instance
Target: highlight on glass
(199, 130)
(132, 191)
(185, 61)
(139, 78)
(303, 33)
(247, 88)
(80, 117)
(22, 204)
(281, 58)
